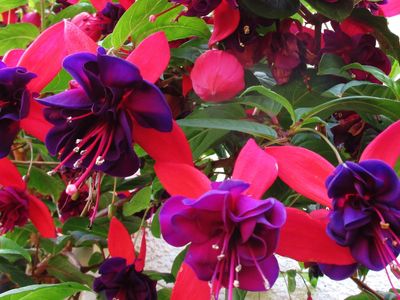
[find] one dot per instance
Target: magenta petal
(386, 146)
(151, 56)
(255, 167)
(226, 20)
(304, 171)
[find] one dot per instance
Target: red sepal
(255, 167)
(151, 56)
(9, 175)
(77, 40)
(188, 285)
(126, 3)
(35, 124)
(40, 216)
(141, 259)
(304, 239)
(386, 146)
(120, 242)
(226, 20)
(182, 179)
(170, 147)
(12, 57)
(304, 171)
(99, 4)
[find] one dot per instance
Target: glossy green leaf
(10, 250)
(17, 36)
(155, 225)
(176, 265)
(338, 11)
(249, 127)
(60, 267)
(140, 201)
(71, 11)
(59, 291)
(332, 64)
(273, 96)
(10, 4)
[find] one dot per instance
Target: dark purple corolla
(13, 208)
(14, 103)
(232, 236)
(93, 122)
(120, 281)
(366, 212)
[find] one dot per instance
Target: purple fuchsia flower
(22, 74)
(121, 276)
(113, 98)
(232, 235)
(363, 201)
(14, 103)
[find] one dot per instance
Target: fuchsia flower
(232, 234)
(17, 205)
(121, 275)
(22, 73)
(217, 76)
(363, 206)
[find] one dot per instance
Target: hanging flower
(22, 74)
(121, 276)
(232, 234)
(362, 200)
(17, 205)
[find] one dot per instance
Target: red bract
(252, 167)
(12, 184)
(217, 76)
(307, 172)
(226, 20)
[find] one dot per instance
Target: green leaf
(164, 294)
(59, 83)
(252, 128)
(239, 294)
(362, 296)
(388, 41)
(60, 267)
(332, 64)
(140, 201)
(273, 96)
(154, 275)
(338, 11)
(9, 249)
(72, 11)
(155, 224)
(59, 291)
(135, 22)
(379, 74)
(40, 181)
(17, 36)
(176, 265)
(291, 283)
(361, 88)
(182, 28)
(272, 9)
(15, 273)
(389, 108)
(10, 4)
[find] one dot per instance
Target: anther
(266, 285)
(221, 256)
(238, 268)
(69, 119)
(215, 247)
(82, 152)
(395, 243)
(99, 161)
(71, 189)
(77, 164)
(246, 29)
(77, 149)
(51, 173)
(78, 141)
(384, 225)
(236, 283)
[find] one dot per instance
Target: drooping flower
(22, 74)
(362, 198)
(94, 122)
(17, 205)
(232, 234)
(121, 276)
(217, 76)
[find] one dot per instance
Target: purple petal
(147, 104)
(366, 252)
(116, 72)
(8, 131)
(336, 272)
(75, 98)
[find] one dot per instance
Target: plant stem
(362, 286)
(39, 163)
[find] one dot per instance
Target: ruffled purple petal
(72, 99)
(147, 104)
(336, 272)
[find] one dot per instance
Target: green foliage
(16, 36)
